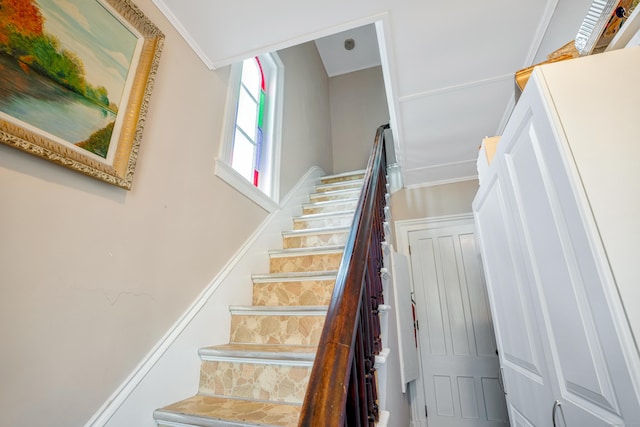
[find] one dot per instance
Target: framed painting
(75, 81)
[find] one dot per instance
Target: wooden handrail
(342, 389)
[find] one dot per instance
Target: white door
(578, 300)
(457, 345)
(520, 338)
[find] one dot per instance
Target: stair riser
(340, 186)
(344, 221)
(276, 329)
(301, 263)
(341, 179)
(254, 381)
(320, 197)
(317, 292)
(332, 207)
(315, 240)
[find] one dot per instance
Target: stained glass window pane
(243, 155)
(247, 114)
(252, 77)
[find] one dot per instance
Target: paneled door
(457, 346)
(588, 336)
(520, 338)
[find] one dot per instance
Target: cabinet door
(519, 340)
(578, 303)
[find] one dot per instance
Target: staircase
(260, 377)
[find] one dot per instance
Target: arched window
(250, 150)
(248, 135)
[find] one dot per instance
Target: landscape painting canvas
(75, 80)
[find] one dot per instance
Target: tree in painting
(23, 38)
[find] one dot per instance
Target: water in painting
(63, 69)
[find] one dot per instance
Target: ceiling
(448, 66)
(337, 59)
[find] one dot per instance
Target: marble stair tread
(215, 411)
(354, 183)
(347, 193)
(273, 353)
(331, 249)
(319, 230)
(324, 215)
(278, 310)
(315, 258)
(326, 203)
(294, 276)
(321, 236)
(344, 176)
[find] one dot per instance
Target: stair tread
(216, 411)
(330, 202)
(353, 183)
(335, 192)
(343, 175)
(306, 251)
(322, 215)
(318, 230)
(295, 276)
(310, 310)
(282, 352)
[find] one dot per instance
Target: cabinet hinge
(426, 413)
(409, 250)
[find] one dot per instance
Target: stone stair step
(349, 193)
(264, 372)
(214, 411)
(294, 355)
(256, 371)
(260, 377)
(293, 288)
(315, 237)
(305, 259)
(345, 176)
(328, 219)
(341, 185)
(293, 325)
(330, 206)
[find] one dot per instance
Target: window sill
(237, 181)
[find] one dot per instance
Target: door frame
(402, 230)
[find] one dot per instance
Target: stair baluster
(342, 386)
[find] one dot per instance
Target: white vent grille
(594, 24)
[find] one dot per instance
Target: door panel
(517, 328)
(594, 379)
(457, 345)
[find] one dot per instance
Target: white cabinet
(558, 220)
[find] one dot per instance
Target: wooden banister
(342, 387)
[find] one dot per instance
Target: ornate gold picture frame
(76, 81)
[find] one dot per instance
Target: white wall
(436, 200)
(306, 137)
(358, 107)
(93, 276)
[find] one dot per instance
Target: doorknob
(557, 404)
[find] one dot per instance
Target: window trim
(273, 116)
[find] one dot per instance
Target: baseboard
(154, 362)
(384, 419)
